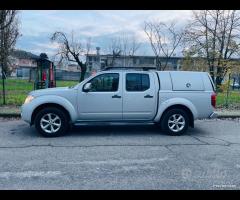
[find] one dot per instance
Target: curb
(10, 115)
(18, 115)
(227, 116)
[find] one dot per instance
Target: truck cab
(119, 95)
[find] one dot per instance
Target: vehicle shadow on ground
(108, 130)
(95, 130)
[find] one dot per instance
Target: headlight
(28, 99)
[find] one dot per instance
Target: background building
(97, 62)
(23, 64)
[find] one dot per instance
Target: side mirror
(87, 87)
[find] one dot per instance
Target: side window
(137, 82)
(105, 83)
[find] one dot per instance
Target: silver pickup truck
(170, 99)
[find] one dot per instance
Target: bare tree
(114, 48)
(71, 49)
(214, 34)
(164, 40)
(7, 18)
(129, 46)
(88, 49)
(189, 63)
(124, 45)
(8, 36)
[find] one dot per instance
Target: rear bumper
(214, 115)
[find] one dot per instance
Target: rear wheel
(175, 122)
(51, 122)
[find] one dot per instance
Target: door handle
(148, 96)
(116, 96)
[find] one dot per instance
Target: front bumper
(26, 113)
(214, 115)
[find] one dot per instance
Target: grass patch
(66, 83)
(18, 89)
(233, 99)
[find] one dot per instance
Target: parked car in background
(171, 99)
(235, 85)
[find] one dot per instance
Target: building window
(19, 72)
(146, 61)
(103, 65)
(134, 61)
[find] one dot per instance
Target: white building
(96, 62)
(22, 63)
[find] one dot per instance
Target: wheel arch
(49, 105)
(183, 107)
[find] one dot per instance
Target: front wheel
(51, 122)
(175, 122)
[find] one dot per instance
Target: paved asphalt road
(121, 157)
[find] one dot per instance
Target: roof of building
(161, 57)
(135, 56)
(72, 65)
(26, 66)
(21, 54)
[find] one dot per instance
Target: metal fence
(18, 87)
(30, 74)
(67, 75)
(229, 93)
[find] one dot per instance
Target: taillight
(213, 99)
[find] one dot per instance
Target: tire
(170, 124)
(56, 125)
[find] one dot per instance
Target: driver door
(103, 102)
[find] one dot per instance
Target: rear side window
(137, 82)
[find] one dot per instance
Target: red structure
(45, 74)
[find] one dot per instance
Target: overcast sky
(101, 25)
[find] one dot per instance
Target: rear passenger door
(139, 100)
